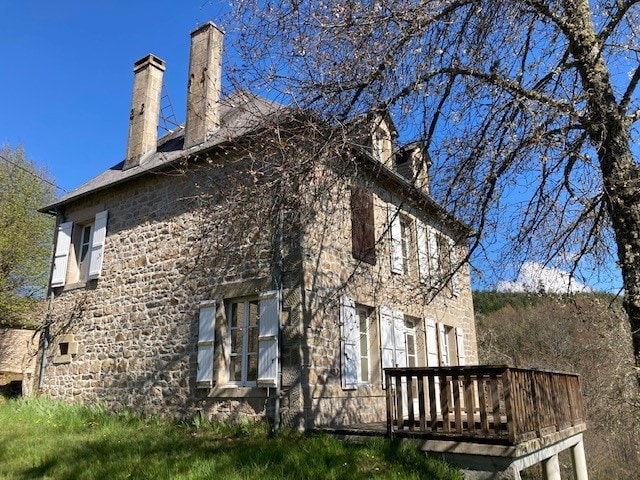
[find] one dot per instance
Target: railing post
(390, 409)
(508, 392)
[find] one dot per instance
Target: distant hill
(587, 333)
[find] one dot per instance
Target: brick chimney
(204, 84)
(145, 109)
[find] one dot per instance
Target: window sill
(233, 391)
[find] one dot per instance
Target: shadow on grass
(161, 454)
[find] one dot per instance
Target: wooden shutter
(443, 344)
(387, 353)
(423, 251)
(434, 263)
(400, 340)
(453, 262)
(206, 337)
(97, 245)
(395, 245)
(431, 333)
(350, 344)
(269, 331)
(363, 234)
(460, 346)
(61, 255)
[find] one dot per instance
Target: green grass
(40, 438)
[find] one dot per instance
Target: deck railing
(495, 403)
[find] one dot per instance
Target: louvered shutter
(423, 251)
(432, 342)
(460, 346)
(97, 245)
(444, 344)
(400, 340)
(206, 337)
(350, 346)
(269, 330)
(434, 263)
(386, 339)
(395, 246)
(61, 255)
(453, 261)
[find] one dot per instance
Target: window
(66, 349)
(251, 327)
(363, 234)
(79, 251)
(355, 343)
(85, 234)
(405, 242)
(242, 318)
(400, 228)
(445, 344)
(364, 318)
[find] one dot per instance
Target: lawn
(40, 438)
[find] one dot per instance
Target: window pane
(411, 344)
(252, 368)
(236, 341)
(364, 369)
(254, 311)
(235, 369)
(253, 340)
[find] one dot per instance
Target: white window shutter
(269, 331)
(442, 341)
(350, 344)
(434, 254)
(453, 261)
(423, 251)
(460, 346)
(400, 339)
(97, 245)
(386, 339)
(206, 337)
(432, 342)
(395, 245)
(61, 255)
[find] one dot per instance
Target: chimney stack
(204, 84)
(145, 109)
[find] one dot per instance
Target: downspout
(45, 343)
(279, 275)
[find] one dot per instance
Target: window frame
(244, 354)
(369, 316)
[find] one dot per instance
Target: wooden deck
(495, 405)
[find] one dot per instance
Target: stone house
(240, 267)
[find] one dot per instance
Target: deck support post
(551, 468)
(579, 461)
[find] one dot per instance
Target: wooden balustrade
(494, 403)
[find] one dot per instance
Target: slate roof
(240, 113)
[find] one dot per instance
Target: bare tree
(530, 104)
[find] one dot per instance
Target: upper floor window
(401, 230)
(363, 234)
(79, 251)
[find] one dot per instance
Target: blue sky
(66, 78)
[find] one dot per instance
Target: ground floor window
(243, 317)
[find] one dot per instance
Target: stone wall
(134, 330)
(177, 238)
(330, 271)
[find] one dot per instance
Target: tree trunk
(608, 129)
